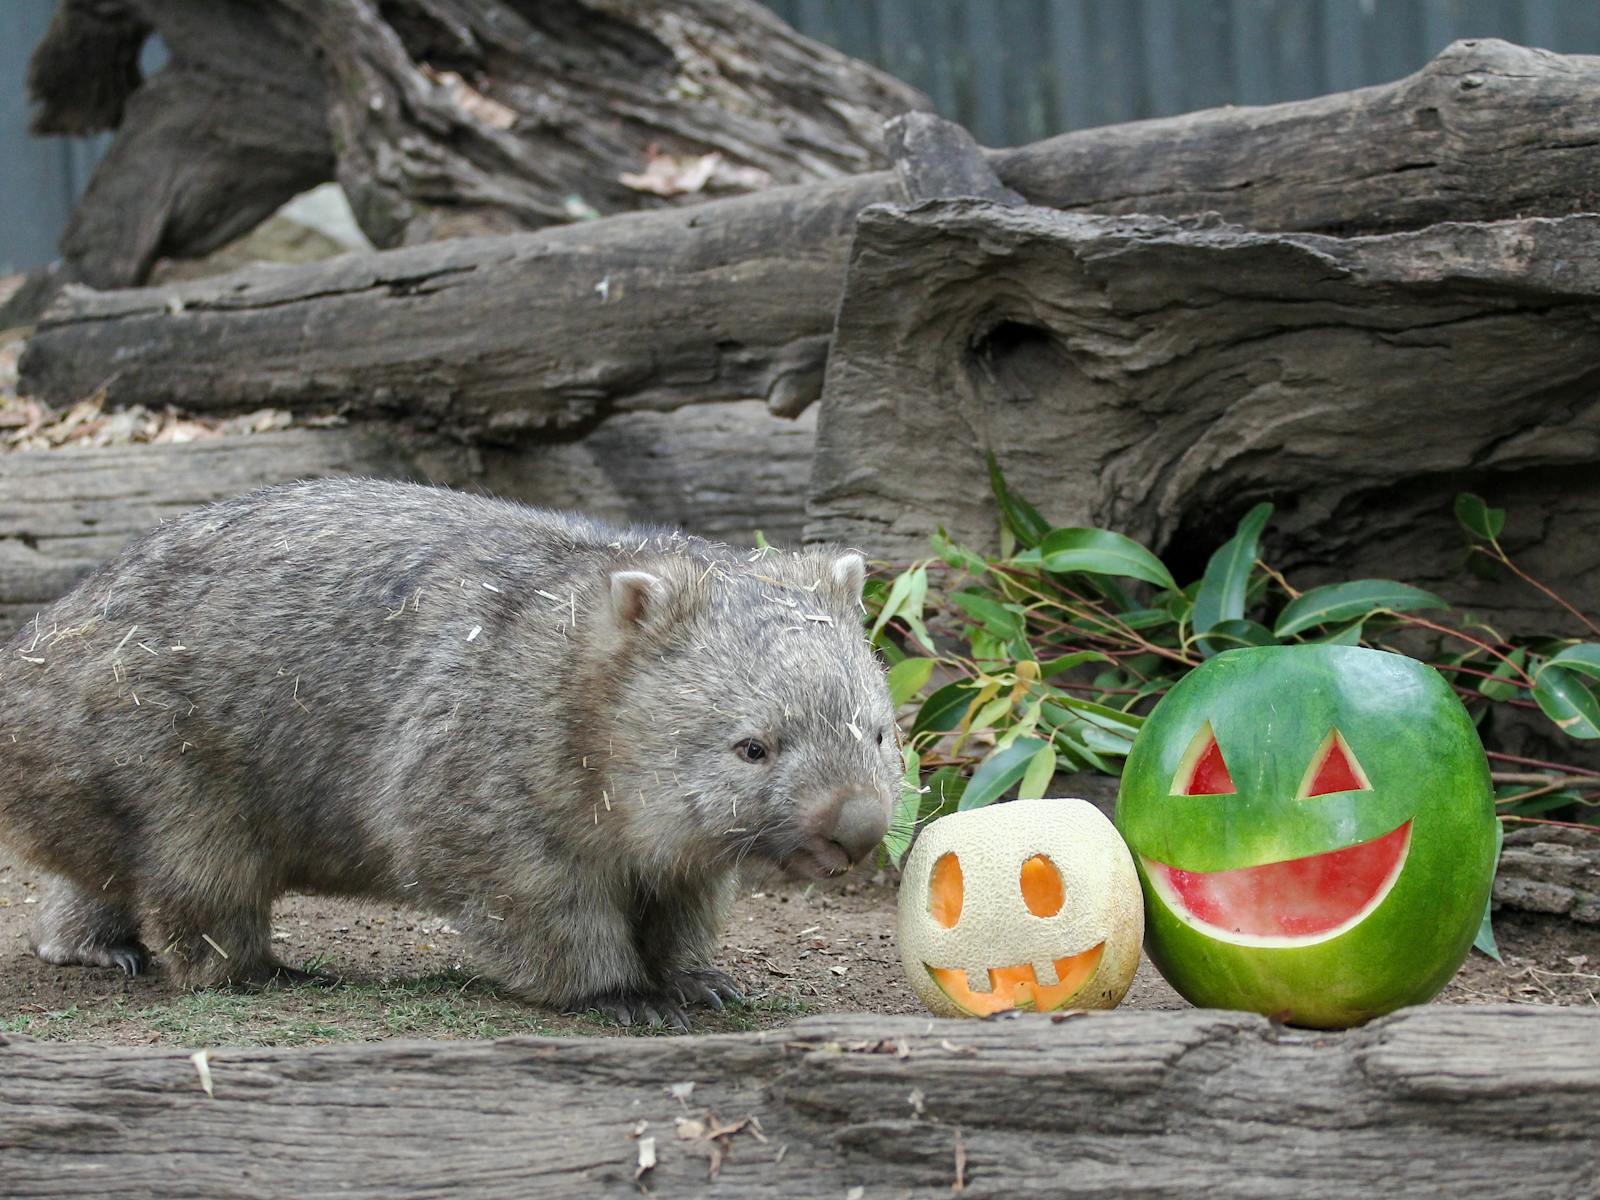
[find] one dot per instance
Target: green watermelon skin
(1271, 708)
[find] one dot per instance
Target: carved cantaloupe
(1033, 904)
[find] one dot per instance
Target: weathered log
(1429, 1102)
(64, 512)
(1551, 870)
(441, 117)
(1160, 378)
(724, 471)
(533, 331)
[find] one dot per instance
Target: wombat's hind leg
(82, 927)
(210, 944)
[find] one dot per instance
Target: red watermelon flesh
(1294, 900)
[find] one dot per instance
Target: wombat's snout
(844, 834)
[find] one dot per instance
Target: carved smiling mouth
(1019, 987)
(1296, 902)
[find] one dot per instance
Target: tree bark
(724, 471)
(65, 512)
(543, 331)
(1428, 1102)
(1160, 378)
(440, 117)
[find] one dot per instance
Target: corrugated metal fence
(1010, 70)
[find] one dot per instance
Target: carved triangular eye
(1202, 770)
(1335, 769)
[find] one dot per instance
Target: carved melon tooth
(1045, 974)
(978, 979)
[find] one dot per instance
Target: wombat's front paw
(644, 1008)
(705, 985)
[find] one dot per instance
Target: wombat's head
(750, 701)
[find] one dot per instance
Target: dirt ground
(795, 949)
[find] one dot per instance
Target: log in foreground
(1434, 1101)
(1159, 378)
(734, 299)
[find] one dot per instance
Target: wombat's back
(251, 671)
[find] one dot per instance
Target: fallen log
(440, 117)
(64, 512)
(1550, 870)
(1428, 1102)
(724, 471)
(734, 299)
(1160, 378)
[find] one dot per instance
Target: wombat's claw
(132, 959)
(708, 986)
(627, 1008)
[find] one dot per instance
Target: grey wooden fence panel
(1010, 70)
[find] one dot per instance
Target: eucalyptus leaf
(1566, 699)
(1477, 518)
(908, 677)
(1583, 658)
(1485, 939)
(1067, 661)
(1021, 517)
(1040, 771)
(1226, 581)
(1102, 552)
(1004, 622)
(942, 711)
(903, 822)
(898, 591)
(1499, 686)
(1337, 602)
(1231, 634)
(998, 772)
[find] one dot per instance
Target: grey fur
(529, 722)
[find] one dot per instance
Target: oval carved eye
(945, 891)
(1041, 885)
(752, 751)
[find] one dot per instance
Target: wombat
(562, 736)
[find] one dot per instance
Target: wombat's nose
(861, 826)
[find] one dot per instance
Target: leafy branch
(1049, 655)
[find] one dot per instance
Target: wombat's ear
(647, 601)
(846, 577)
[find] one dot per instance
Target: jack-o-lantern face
(1033, 904)
(1314, 829)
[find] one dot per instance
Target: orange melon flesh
(1018, 987)
(1041, 887)
(945, 891)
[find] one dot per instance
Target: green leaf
(1497, 688)
(944, 791)
(1227, 635)
(903, 823)
(942, 711)
(1136, 618)
(1065, 663)
(1583, 658)
(1477, 518)
(998, 772)
(1041, 770)
(892, 603)
(1002, 621)
(1485, 939)
(908, 677)
(1102, 552)
(1227, 576)
(1565, 698)
(957, 556)
(1344, 635)
(1021, 517)
(1347, 601)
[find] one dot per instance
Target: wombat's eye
(880, 737)
(751, 750)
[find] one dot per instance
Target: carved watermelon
(1313, 828)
